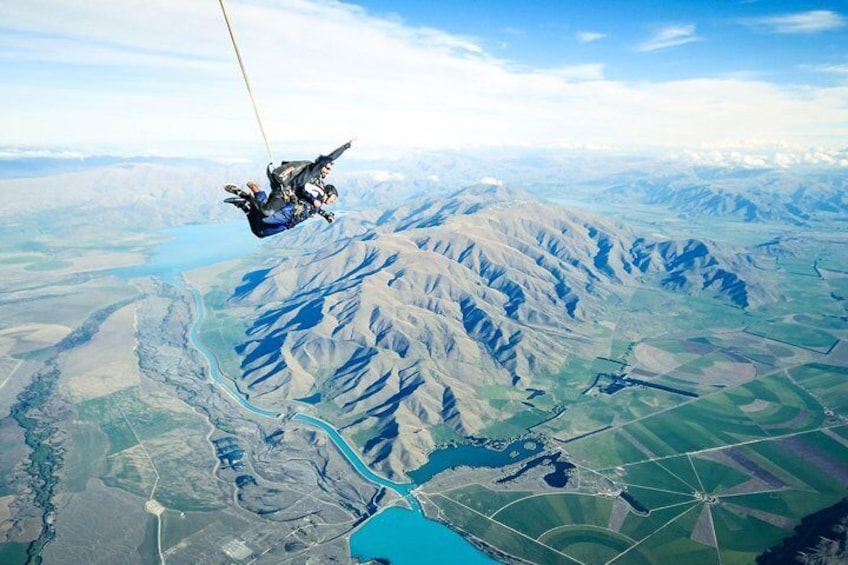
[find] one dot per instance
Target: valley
(628, 381)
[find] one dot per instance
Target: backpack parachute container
(282, 188)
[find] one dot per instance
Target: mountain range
(158, 192)
(413, 311)
(795, 197)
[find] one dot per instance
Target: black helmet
(330, 190)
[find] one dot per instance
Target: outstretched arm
(311, 172)
(337, 152)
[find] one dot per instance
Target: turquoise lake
(404, 537)
(474, 456)
(193, 246)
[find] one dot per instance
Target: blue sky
(155, 76)
(779, 40)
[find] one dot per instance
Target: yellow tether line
(246, 82)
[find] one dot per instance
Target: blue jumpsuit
(281, 220)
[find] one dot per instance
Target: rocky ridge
(755, 195)
(403, 325)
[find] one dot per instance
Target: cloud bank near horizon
(156, 74)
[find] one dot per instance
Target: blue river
(398, 535)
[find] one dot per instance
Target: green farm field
(742, 435)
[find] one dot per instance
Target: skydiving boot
(239, 203)
(238, 191)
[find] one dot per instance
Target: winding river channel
(399, 535)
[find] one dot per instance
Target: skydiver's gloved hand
(329, 216)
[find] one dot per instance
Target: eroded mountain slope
(403, 329)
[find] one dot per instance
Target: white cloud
(832, 69)
(671, 36)
(491, 181)
(813, 21)
(156, 73)
(38, 152)
(589, 36)
(764, 156)
(589, 71)
(383, 176)
(784, 160)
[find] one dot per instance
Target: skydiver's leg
(266, 203)
(281, 216)
(257, 226)
(260, 224)
(260, 197)
(254, 218)
(257, 198)
(260, 200)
